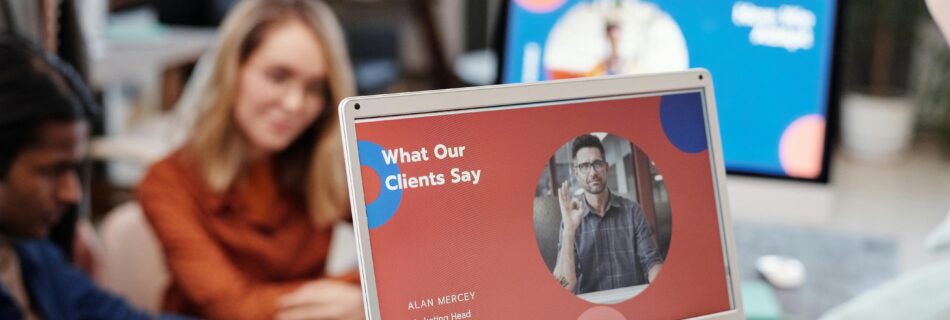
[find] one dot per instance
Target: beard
(595, 186)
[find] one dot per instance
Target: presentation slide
(593, 209)
(771, 60)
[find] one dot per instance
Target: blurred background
(835, 114)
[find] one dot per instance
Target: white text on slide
(403, 181)
(443, 300)
(399, 155)
(788, 26)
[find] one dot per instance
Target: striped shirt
(616, 250)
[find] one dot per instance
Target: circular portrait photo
(608, 37)
(602, 218)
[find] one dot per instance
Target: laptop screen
(772, 61)
(600, 208)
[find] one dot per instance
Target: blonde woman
(244, 209)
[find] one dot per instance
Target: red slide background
(457, 238)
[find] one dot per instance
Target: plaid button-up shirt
(616, 250)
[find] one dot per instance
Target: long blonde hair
(219, 148)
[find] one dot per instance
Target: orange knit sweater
(231, 254)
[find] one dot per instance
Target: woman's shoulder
(175, 169)
(174, 186)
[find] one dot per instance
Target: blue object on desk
(759, 301)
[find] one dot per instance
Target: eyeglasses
(584, 168)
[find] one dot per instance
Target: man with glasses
(606, 242)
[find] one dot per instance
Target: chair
(133, 266)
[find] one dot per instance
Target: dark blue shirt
(59, 291)
(616, 250)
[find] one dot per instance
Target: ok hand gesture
(571, 211)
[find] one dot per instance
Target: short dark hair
(36, 87)
(586, 141)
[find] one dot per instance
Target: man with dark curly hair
(44, 109)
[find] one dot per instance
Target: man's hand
(571, 211)
(322, 299)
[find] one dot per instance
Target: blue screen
(770, 61)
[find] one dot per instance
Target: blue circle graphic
(683, 121)
(384, 207)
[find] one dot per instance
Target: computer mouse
(781, 271)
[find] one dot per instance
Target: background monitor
(772, 61)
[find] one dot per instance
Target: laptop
(596, 198)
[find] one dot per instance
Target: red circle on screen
(540, 6)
